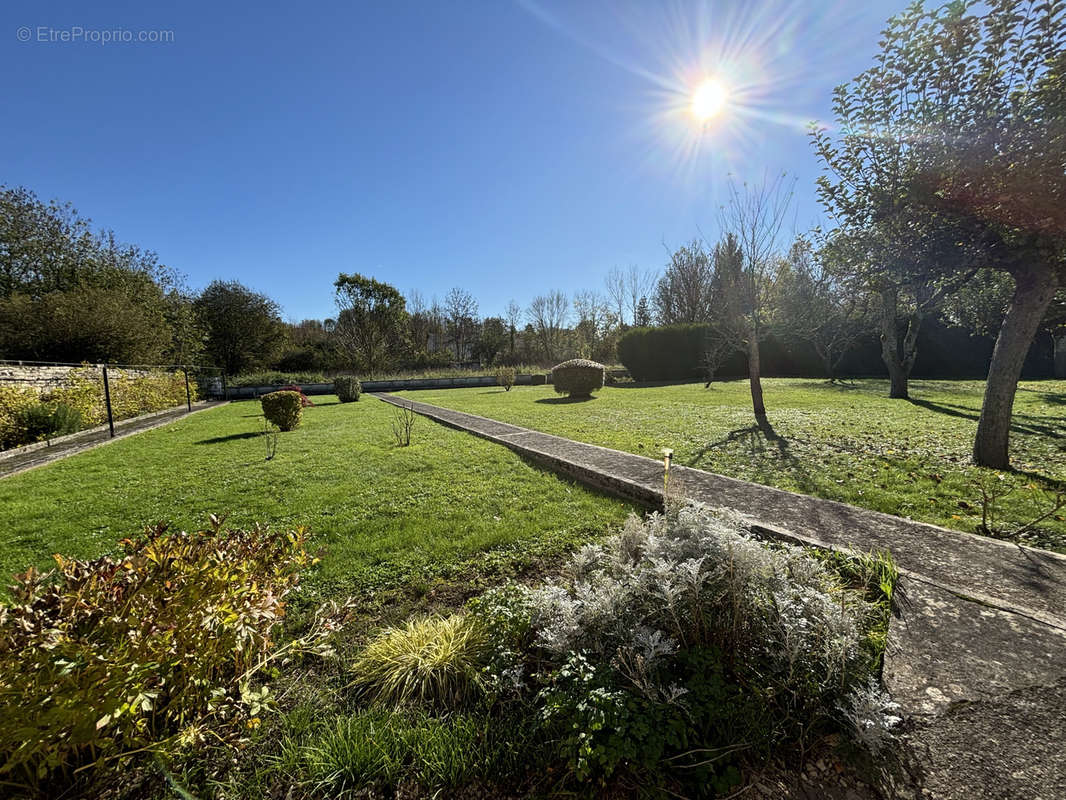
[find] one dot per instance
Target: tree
(642, 313)
(514, 317)
(492, 340)
(639, 283)
(371, 320)
(617, 293)
(460, 308)
(753, 219)
(548, 314)
(815, 307)
(684, 292)
(244, 327)
(960, 130)
(596, 327)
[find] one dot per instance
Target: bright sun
(709, 99)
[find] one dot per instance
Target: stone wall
(41, 378)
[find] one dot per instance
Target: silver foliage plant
(696, 576)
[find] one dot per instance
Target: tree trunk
(1034, 288)
(898, 356)
(754, 374)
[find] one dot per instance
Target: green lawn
(843, 442)
(383, 513)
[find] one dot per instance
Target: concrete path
(978, 659)
(35, 455)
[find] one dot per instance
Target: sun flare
(709, 99)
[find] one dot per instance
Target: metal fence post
(225, 386)
(188, 394)
(107, 402)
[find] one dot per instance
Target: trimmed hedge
(284, 409)
(538, 379)
(673, 352)
(578, 377)
(347, 388)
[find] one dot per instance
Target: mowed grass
(382, 513)
(846, 442)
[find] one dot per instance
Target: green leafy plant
(14, 399)
(48, 420)
(284, 409)
(347, 388)
(505, 377)
(102, 659)
(578, 377)
(434, 660)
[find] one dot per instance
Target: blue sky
(505, 147)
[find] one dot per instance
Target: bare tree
(548, 314)
(596, 325)
(814, 306)
(756, 216)
(461, 310)
(617, 292)
(639, 284)
(514, 318)
(684, 292)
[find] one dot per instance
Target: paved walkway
(978, 659)
(20, 460)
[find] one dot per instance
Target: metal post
(188, 394)
(225, 386)
(107, 402)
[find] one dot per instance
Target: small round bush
(284, 409)
(578, 377)
(505, 377)
(347, 388)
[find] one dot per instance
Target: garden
(841, 440)
(356, 612)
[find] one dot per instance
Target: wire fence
(95, 394)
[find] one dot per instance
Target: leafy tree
(492, 340)
(244, 328)
(642, 313)
(951, 157)
(371, 321)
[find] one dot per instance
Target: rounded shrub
(284, 409)
(578, 377)
(505, 377)
(347, 388)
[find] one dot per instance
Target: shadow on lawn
(559, 401)
(1022, 423)
(759, 437)
(231, 438)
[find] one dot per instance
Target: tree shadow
(759, 436)
(1020, 422)
(231, 438)
(560, 401)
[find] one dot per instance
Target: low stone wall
(466, 382)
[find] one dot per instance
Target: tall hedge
(674, 353)
(669, 353)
